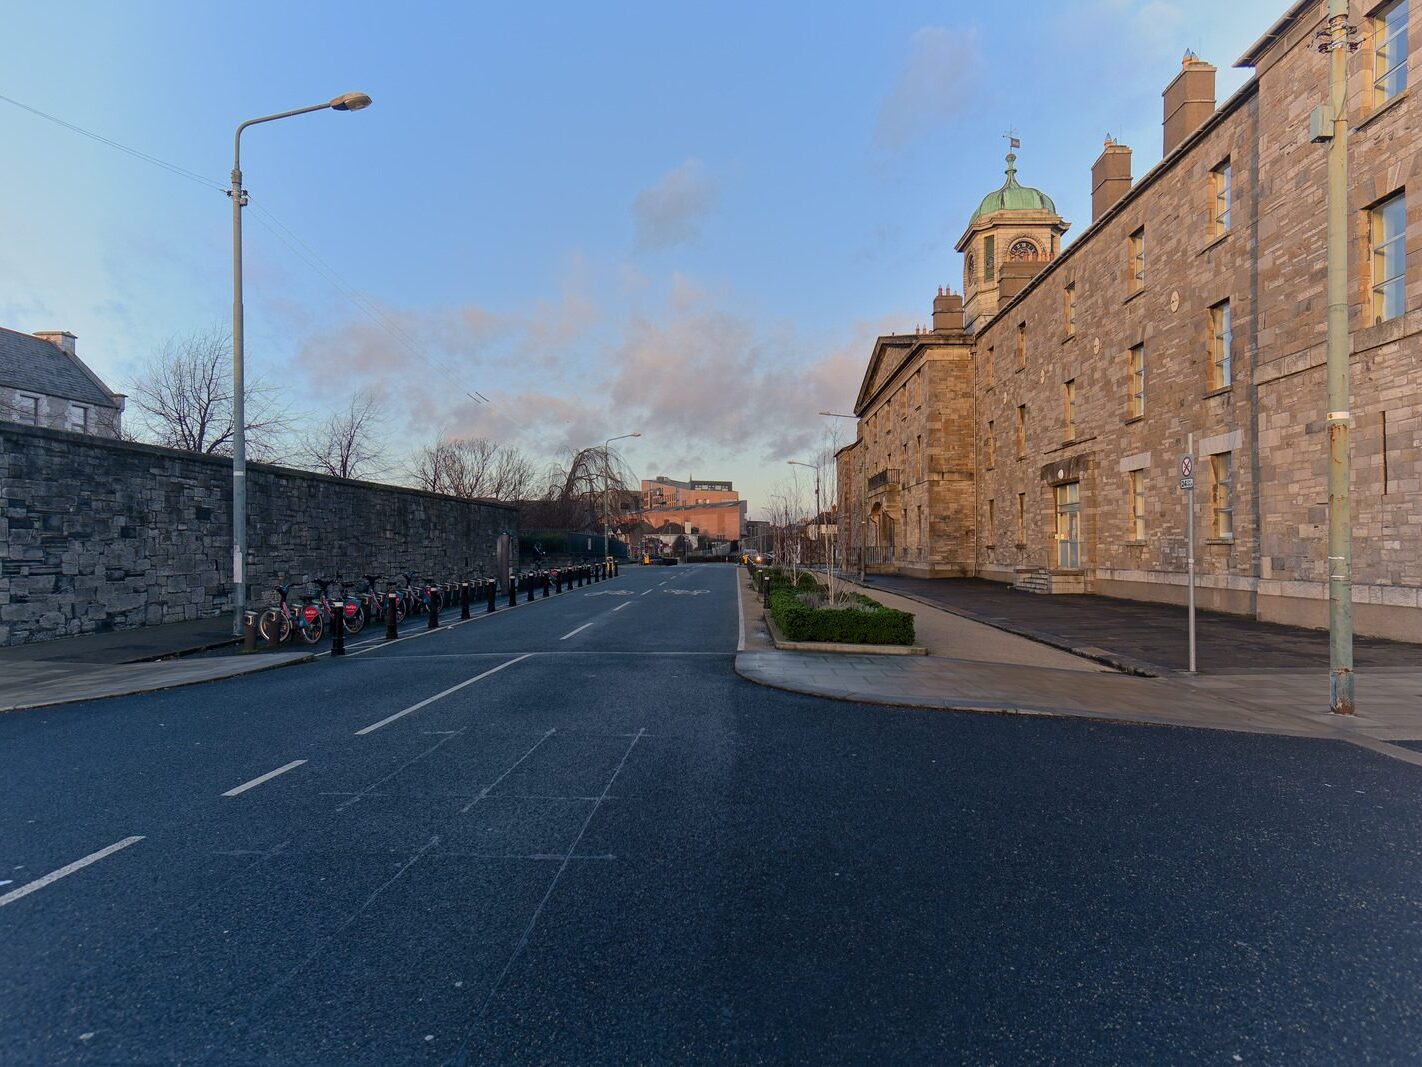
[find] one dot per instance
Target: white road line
(439, 696)
(740, 618)
(649, 591)
(625, 604)
(571, 633)
(264, 778)
(54, 876)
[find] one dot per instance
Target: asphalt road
(569, 833)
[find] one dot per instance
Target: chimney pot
(1110, 177)
(1189, 100)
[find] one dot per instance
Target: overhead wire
(277, 228)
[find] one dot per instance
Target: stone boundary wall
(99, 535)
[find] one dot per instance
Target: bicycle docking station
(249, 631)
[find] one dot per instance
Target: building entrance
(1069, 526)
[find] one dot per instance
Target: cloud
(932, 88)
(671, 211)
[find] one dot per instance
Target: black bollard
(557, 581)
(491, 594)
(616, 569)
(597, 572)
(338, 627)
(433, 623)
(513, 590)
(392, 616)
(249, 631)
(529, 583)
(547, 585)
(464, 600)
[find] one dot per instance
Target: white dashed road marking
(439, 696)
(68, 869)
(263, 778)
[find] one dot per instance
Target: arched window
(968, 267)
(1024, 249)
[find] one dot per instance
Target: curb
(1105, 657)
(141, 690)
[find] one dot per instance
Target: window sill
(1139, 292)
(1132, 419)
(1020, 546)
(1223, 390)
(1219, 540)
(1133, 544)
(1380, 111)
(1214, 242)
(1069, 337)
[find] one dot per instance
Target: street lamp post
(606, 487)
(345, 102)
(847, 514)
(819, 514)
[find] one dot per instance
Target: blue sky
(685, 219)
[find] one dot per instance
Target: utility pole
(1333, 126)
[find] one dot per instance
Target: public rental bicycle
(277, 624)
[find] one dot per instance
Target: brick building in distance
(711, 509)
(1033, 432)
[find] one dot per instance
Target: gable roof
(39, 366)
(901, 345)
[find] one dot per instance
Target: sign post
(1187, 483)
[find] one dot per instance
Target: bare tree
(473, 468)
(575, 489)
(350, 444)
(184, 394)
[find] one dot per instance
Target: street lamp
(841, 548)
(606, 486)
(819, 515)
(344, 102)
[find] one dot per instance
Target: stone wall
(100, 535)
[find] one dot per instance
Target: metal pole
(239, 407)
(1340, 532)
(1190, 545)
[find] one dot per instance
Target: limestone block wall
(99, 535)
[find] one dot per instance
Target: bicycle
(277, 624)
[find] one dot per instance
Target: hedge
(865, 622)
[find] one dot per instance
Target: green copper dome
(1014, 197)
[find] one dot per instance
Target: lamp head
(351, 102)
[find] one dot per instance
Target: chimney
(1110, 177)
(59, 338)
(947, 311)
(1189, 100)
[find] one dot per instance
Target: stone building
(1044, 450)
(43, 382)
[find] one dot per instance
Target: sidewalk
(125, 662)
(986, 671)
(1140, 636)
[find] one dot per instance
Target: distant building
(711, 509)
(43, 383)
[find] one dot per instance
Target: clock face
(971, 263)
(1023, 249)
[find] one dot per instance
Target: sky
(687, 220)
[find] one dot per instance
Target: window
(1021, 345)
(1135, 383)
(1069, 310)
(27, 409)
(1069, 409)
(968, 276)
(989, 259)
(1135, 501)
(988, 371)
(78, 420)
(1137, 257)
(1222, 493)
(1389, 51)
(1221, 187)
(991, 522)
(991, 447)
(1021, 518)
(1387, 226)
(1221, 347)
(1021, 431)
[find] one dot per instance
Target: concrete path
(137, 645)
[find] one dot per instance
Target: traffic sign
(1187, 467)
(1187, 483)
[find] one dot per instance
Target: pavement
(1137, 635)
(975, 666)
(570, 833)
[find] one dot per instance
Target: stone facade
(1089, 498)
(100, 535)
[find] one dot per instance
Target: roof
(1272, 34)
(39, 366)
(1014, 197)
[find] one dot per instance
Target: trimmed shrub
(859, 622)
